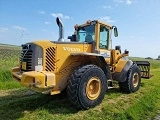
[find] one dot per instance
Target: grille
(26, 57)
(50, 59)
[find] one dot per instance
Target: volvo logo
(71, 49)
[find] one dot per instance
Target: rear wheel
(133, 80)
(87, 86)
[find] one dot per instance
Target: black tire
(133, 80)
(77, 89)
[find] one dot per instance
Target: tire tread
(73, 84)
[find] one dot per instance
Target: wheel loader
(84, 65)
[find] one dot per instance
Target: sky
(138, 21)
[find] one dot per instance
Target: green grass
(17, 102)
(8, 59)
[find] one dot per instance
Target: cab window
(104, 33)
(86, 33)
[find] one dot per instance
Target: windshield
(86, 33)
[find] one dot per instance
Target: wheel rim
(135, 79)
(93, 88)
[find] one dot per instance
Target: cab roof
(97, 21)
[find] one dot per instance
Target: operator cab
(94, 32)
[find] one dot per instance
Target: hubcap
(93, 88)
(135, 79)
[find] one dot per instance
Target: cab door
(103, 41)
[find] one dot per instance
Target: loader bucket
(144, 68)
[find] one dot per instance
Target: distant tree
(158, 58)
(148, 58)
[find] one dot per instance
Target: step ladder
(110, 84)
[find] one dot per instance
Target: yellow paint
(44, 43)
(29, 78)
(120, 65)
(50, 78)
(93, 88)
(55, 92)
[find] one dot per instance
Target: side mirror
(115, 32)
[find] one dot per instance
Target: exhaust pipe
(61, 29)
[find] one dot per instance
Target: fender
(122, 75)
(101, 60)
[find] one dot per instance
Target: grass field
(17, 102)
(8, 58)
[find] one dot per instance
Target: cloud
(47, 23)
(107, 19)
(19, 28)
(3, 29)
(119, 1)
(128, 2)
(107, 7)
(41, 12)
(60, 15)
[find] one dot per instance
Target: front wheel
(133, 80)
(87, 86)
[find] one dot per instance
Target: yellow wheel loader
(85, 65)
